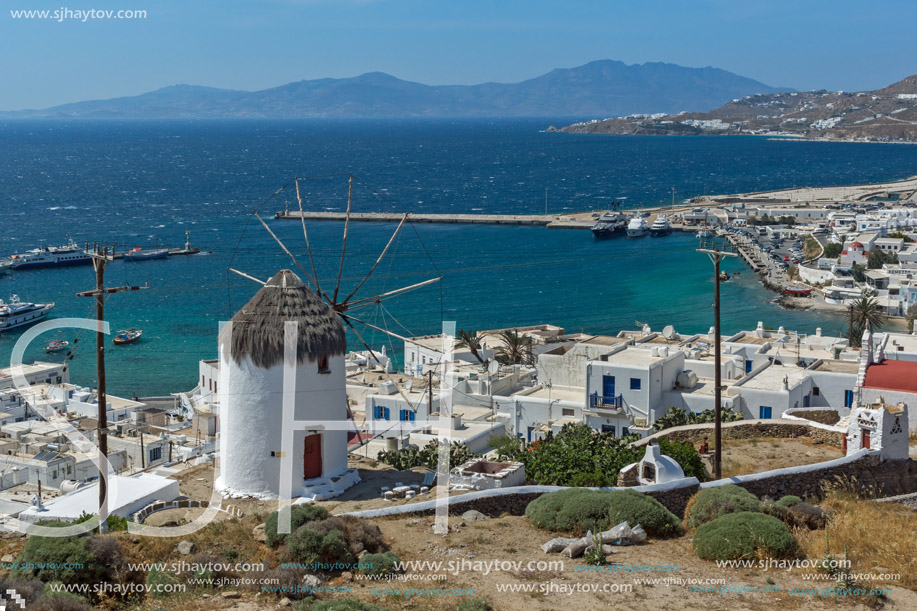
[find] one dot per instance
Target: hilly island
(885, 115)
(600, 88)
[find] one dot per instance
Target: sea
(147, 183)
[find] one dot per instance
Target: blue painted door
(608, 386)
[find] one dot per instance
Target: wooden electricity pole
(100, 257)
(716, 256)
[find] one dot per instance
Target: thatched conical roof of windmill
(258, 328)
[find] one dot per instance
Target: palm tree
(472, 340)
(863, 313)
(515, 348)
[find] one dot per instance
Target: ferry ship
(51, 256)
(636, 228)
(610, 224)
(661, 226)
(19, 313)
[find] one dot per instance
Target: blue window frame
(806, 401)
(625, 431)
(748, 365)
(406, 415)
(155, 454)
(635, 383)
(380, 413)
(765, 412)
(609, 428)
(608, 386)
(848, 398)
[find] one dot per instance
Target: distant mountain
(888, 114)
(606, 88)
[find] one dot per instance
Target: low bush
(636, 508)
(359, 534)
(299, 515)
(807, 515)
(577, 510)
(308, 546)
(54, 553)
(379, 564)
(711, 503)
(744, 535)
(159, 582)
(788, 501)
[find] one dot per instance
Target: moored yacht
(661, 226)
(609, 224)
(18, 313)
(50, 256)
(636, 228)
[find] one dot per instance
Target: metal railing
(597, 401)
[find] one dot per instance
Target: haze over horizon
(250, 46)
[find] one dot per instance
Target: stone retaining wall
(749, 429)
(822, 416)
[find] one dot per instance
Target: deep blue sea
(146, 182)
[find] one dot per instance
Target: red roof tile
(893, 375)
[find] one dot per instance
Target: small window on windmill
(323, 365)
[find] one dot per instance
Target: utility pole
(716, 256)
(100, 257)
(429, 393)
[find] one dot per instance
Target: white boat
(636, 228)
(5, 266)
(19, 313)
(51, 256)
(661, 226)
(706, 234)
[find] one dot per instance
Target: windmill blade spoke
(376, 358)
(337, 286)
(244, 275)
(371, 326)
(379, 260)
(285, 249)
(302, 217)
(370, 300)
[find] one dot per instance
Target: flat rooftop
(605, 340)
(836, 366)
(892, 375)
(772, 378)
(560, 393)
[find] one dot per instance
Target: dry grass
(744, 456)
(879, 537)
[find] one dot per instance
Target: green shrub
(744, 535)
(686, 456)
(359, 534)
(307, 546)
(788, 501)
(339, 604)
(299, 515)
(59, 551)
(569, 510)
(157, 578)
(379, 564)
(578, 509)
(428, 456)
(636, 508)
(711, 503)
(474, 604)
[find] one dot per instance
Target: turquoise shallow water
(138, 182)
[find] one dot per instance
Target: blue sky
(238, 44)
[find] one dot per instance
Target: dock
(746, 253)
(580, 220)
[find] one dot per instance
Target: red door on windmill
(312, 457)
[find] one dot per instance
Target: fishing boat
(18, 313)
(636, 228)
(798, 290)
(57, 346)
(139, 254)
(661, 226)
(610, 224)
(51, 256)
(127, 337)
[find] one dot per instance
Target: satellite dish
(494, 367)
(668, 332)
(409, 385)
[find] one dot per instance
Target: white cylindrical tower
(251, 392)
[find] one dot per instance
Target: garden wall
(750, 429)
